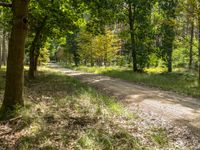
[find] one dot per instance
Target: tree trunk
(106, 58)
(0, 50)
(33, 56)
(199, 41)
(31, 72)
(36, 63)
(91, 58)
(15, 71)
(191, 45)
(7, 45)
(34, 46)
(170, 59)
(4, 59)
(132, 32)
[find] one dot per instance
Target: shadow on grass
(182, 107)
(63, 113)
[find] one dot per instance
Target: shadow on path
(183, 111)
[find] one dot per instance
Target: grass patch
(159, 136)
(62, 113)
(180, 80)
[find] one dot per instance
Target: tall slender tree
(168, 34)
(191, 45)
(190, 12)
(131, 12)
(198, 22)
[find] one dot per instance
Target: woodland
(149, 43)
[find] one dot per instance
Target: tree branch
(4, 4)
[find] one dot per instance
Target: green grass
(159, 136)
(181, 81)
(62, 113)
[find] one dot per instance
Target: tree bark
(170, 59)
(34, 46)
(131, 12)
(4, 59)
(36, 62)
(0, 50)
(91, 58)
(31, 72)
(199, 43)
(15, 71)
(191, 45)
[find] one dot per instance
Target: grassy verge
(62, 113)
(180, 81)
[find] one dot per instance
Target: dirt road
(180, 110)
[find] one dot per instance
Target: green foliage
(72, 47)
(44, 54)
(167, 30)
(97, 49)
(144, 34)
(5, 19)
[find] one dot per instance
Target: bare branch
(4, 4)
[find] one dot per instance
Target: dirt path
(180, 110)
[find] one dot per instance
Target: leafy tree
(98, 49)
(84, 40)
(167, 30)
(49, 20)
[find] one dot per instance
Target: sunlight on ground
(60, 112)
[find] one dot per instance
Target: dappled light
(99, 74)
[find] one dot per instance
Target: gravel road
(176, 110)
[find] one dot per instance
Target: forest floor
(167, 108)
(62, 112)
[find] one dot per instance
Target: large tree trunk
(132, 32)
(191, 45)
(15, 74)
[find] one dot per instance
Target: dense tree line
(153, 33)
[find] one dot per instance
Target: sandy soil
(174, 108)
